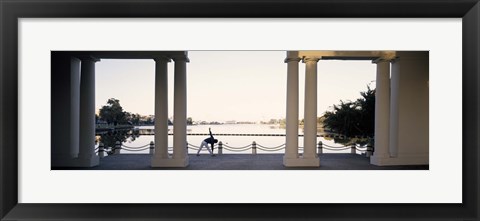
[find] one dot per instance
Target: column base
(63, 161)
(420, 159)
(379, 159)
(301, 162)
(87, 162)
(169, 162)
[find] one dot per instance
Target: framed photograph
(426, 51)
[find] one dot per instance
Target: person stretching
(212, 141)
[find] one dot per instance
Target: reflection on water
(362, 141)
(143, 135)
(109, 138)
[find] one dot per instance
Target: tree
(113, 112)
(272, 121)
(353, 118)
(134, 119)
(367, 104)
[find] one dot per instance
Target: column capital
(181, 58)
(292, 60)
(162, 58)
(311, 59)
(380, 60)
(88, 58)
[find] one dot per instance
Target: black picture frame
(12, 10)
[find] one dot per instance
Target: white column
(409, 110)
(382, 113)
(394, 109)
(180, 112)
(65, 109)
(310, 122)
(161, 107)
(87, 156)
(291, 148)
(75, 108)
(161, 110)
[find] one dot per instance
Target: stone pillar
(161, 110)
(87, 156)
(393, 126)
(409, 110)
(65, 109)
(291, 148)
(382, 113)
(310, 116)
(180, 156)
(75, 109)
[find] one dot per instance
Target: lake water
(231, 141)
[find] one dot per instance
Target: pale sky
(230, 85)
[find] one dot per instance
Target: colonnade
(402, 110)
(401, 107)
(179, 157)
(73, 107)
(73, 112)
(309, 156)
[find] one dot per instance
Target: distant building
(245, 122)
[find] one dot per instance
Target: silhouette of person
(212, 141)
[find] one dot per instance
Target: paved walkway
(245, 162)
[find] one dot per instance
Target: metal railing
(101, 150)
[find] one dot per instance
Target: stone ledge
(301, 162)
(170, 162)
(400, 160)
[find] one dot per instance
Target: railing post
(118, 147)
(152, 148)
(353, 149)
(369, 151)
(220, 147)
(254, 147)
(320, 147)
(101, 150)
